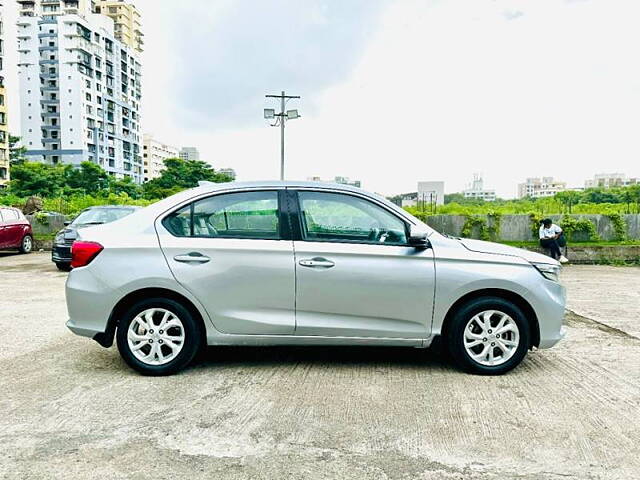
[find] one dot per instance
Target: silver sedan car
(299, 263)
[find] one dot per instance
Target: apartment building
(339, 180)
(609, 180)
(4, 121)
(536, 187)
(228, 171)
(126, 19)
(189, 153)
(476, 190)
(80, 88)
(154, 153)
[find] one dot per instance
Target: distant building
(536, 187)
(126, 19)
(409, 199)
(431, 193)
(228, 171)
(154, 155)
(339, 180)
(609, 180)
(189, 153)
(476, 190)
(80, 88)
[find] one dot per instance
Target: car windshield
(101, 215)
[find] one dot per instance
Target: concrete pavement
(70, 409)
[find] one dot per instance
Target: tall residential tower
(80, 88)
(126, 19)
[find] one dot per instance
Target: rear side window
(9, 215)
(232, 215)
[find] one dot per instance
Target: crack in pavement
(603, 327)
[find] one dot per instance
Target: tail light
(83, 253)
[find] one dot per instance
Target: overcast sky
(396, 91)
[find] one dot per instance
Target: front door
(229, 251)
(355, 274)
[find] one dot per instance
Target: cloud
(236, 52)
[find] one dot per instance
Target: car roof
(211, 186)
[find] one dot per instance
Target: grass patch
(597, 243)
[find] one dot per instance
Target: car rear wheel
(488, 336)
(158, 336)
(26, 246)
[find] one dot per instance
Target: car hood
(500, 249)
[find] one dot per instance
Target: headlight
(60, 237)
(550, 272)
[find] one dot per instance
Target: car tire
(63, 267)
(136, 335)
(491, 348)
(26, 246)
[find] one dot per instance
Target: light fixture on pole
(281, 119)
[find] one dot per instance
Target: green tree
(16, 151)
(179, 175)
(89, 178)
(40, 179)
(125, 186)
(568, 198)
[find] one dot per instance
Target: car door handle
(193, 257)
(317, 262)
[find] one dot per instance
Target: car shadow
(228, 356)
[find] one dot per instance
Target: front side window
(251, 215)
(334, 217)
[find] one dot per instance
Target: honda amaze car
(15, 230)
(299, 263)
(61, 251)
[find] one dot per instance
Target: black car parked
(61, 252)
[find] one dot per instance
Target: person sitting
(552, 238)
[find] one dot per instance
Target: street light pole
(282, 117)
(282, 137)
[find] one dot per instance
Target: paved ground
(70, 409)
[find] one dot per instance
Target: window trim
(284, 227)
(296, 217)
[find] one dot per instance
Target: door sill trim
(267, 340)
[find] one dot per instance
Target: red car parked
(15, 230)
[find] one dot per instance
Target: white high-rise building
(476, 190)
(535, 187)
(609, 180)
(80, 88)
(189, 153)
(154, 155)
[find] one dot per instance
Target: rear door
(355, 274)
(12, 228)
(234, 253)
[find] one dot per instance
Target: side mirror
(418, 237)
(67, 223)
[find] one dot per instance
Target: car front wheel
(158, 336)
(27, 244)
(488, 336)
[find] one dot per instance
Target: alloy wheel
(27, 244)
(491, 338)
(156, 336)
